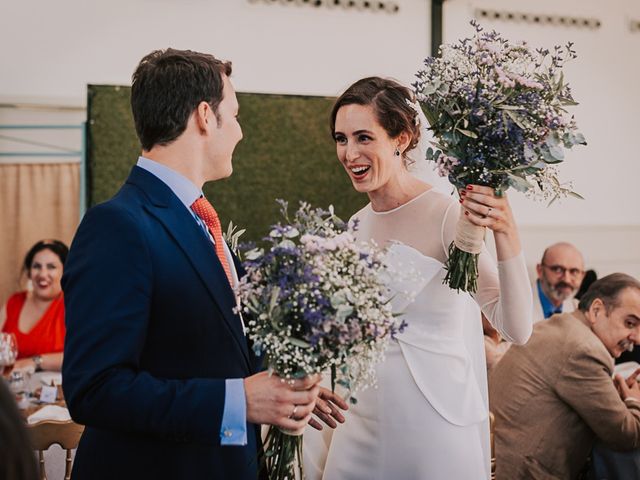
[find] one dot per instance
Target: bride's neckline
(414, 199)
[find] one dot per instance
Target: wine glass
(8, 352)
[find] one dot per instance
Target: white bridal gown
(428, 417)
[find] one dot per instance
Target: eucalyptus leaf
(429, 153)
(429, 89)
(560, 82)
(569, 102)
(519, 183)
(575, 195)
(468, 133)
(254, 254)
(529, 153)
(547, 157)
(552, 141)
(519, 168)
(338, 299)
(509, 107)
(343, 312)
(275, 295)
(275, 316)
(516, 119)
(579, 138)
(291, 232)
(568, 140)
(287, 244)
(431, 117)
(557, 152)
(298, 342)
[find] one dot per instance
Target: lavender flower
(498, 111)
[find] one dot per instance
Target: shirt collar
(548, 308)
(180, 185)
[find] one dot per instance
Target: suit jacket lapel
(192, 240)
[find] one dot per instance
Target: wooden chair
(492, 429)
(49, 432)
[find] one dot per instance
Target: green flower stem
(281, 453)
(462, 270)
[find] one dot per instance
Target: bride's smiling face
(364, 148)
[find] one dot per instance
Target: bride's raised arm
(504, 290)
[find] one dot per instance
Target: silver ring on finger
(295, 409)
(488, 213)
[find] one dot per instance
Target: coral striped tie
(208, 214)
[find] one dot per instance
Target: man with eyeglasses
(560, 273)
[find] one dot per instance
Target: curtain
(37, 201)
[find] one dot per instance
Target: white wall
(59, 47)
(51, 50)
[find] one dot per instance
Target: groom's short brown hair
(167, 86)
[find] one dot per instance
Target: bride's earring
(397, 153)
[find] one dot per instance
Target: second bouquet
(315, 301)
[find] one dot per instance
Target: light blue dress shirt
(548, 308)
(234, 418)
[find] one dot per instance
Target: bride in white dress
(428, 417)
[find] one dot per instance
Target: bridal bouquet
(498, 113)
(316, 300)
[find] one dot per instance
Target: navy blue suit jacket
(151, 338)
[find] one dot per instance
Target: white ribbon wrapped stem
(469, 237)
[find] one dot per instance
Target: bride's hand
(486, 209)
(327, 409)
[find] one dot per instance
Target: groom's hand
(274, 401)
(327, 409)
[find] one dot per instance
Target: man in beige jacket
(553, 396)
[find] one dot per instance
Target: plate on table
(47, 377)
(626, 368)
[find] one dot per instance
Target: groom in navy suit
(156, 361)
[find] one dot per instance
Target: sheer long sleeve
(427, 224)
(504, 291)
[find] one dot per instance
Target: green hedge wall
(287, 152)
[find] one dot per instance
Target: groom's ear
(203, 117)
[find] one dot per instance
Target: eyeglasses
(560, 270)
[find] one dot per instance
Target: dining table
(32, 409)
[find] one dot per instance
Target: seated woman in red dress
(36, 316)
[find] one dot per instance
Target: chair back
(50, 432)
